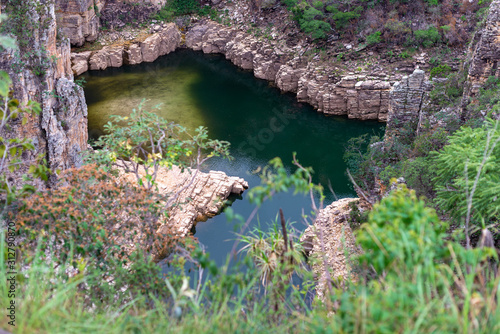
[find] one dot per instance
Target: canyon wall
(359, 97)
(41, 72)
(80, 20)
(485, 56)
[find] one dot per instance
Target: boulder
(150, 48)
(133, 55)
(80, 62)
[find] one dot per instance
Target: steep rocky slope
(41, 72)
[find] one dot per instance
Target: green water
(261, 123)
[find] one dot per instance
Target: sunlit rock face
(60, 132)
(146, 50)
(78, 19)
(331, 242)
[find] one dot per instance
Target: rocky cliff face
(147, 49)
(406, 101)
(485, 56)
(78, 19)
(41, 71)
(358, 97)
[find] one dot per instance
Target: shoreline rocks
(327, 242)
(148, 50)
(199, 199)
(357, 96)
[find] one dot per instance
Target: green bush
(318, 4)
(342, 19)
(317, 29)
(440, 71)
(374, 38)
(401, 234)
(428, 37)
(468, 174)
(175, 8)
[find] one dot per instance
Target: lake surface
(260, 122)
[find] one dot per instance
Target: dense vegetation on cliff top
(414, 275)
(398, 22)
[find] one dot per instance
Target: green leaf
(5, 82)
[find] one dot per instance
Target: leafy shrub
(109, 225)
(144, 142)
(468, 174)
(488, 99)
(449, 92)
(440, 71)
(413, 269)
(341, 18)
(317, 29)
(318, 4)
(393, 229)
(374, 38)
(175, 8)
(428, 37)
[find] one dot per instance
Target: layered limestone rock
(407, 101)
(60, 132)
(198, 196)
(355, 96)
(485, 57)
(330, 243)
(78, 19)
(147, 50)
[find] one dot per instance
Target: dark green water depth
(261, 123)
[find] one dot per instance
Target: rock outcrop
(485, 56)
(355, 96)
(78, 19)
(327, 242)
(60, 132)
(146, 50)
(406, 102)
(201, 196)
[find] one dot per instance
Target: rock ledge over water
(200, 197)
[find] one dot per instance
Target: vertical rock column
(485, 58)
(405, 103)
(60, 132)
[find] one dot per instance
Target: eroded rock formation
(200, 197)
(78, 19)
(355, 96)
(485, 56)
(146, 50)
(60, 132)
(405, 102)
(330, 243)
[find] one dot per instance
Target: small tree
(144, 142)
